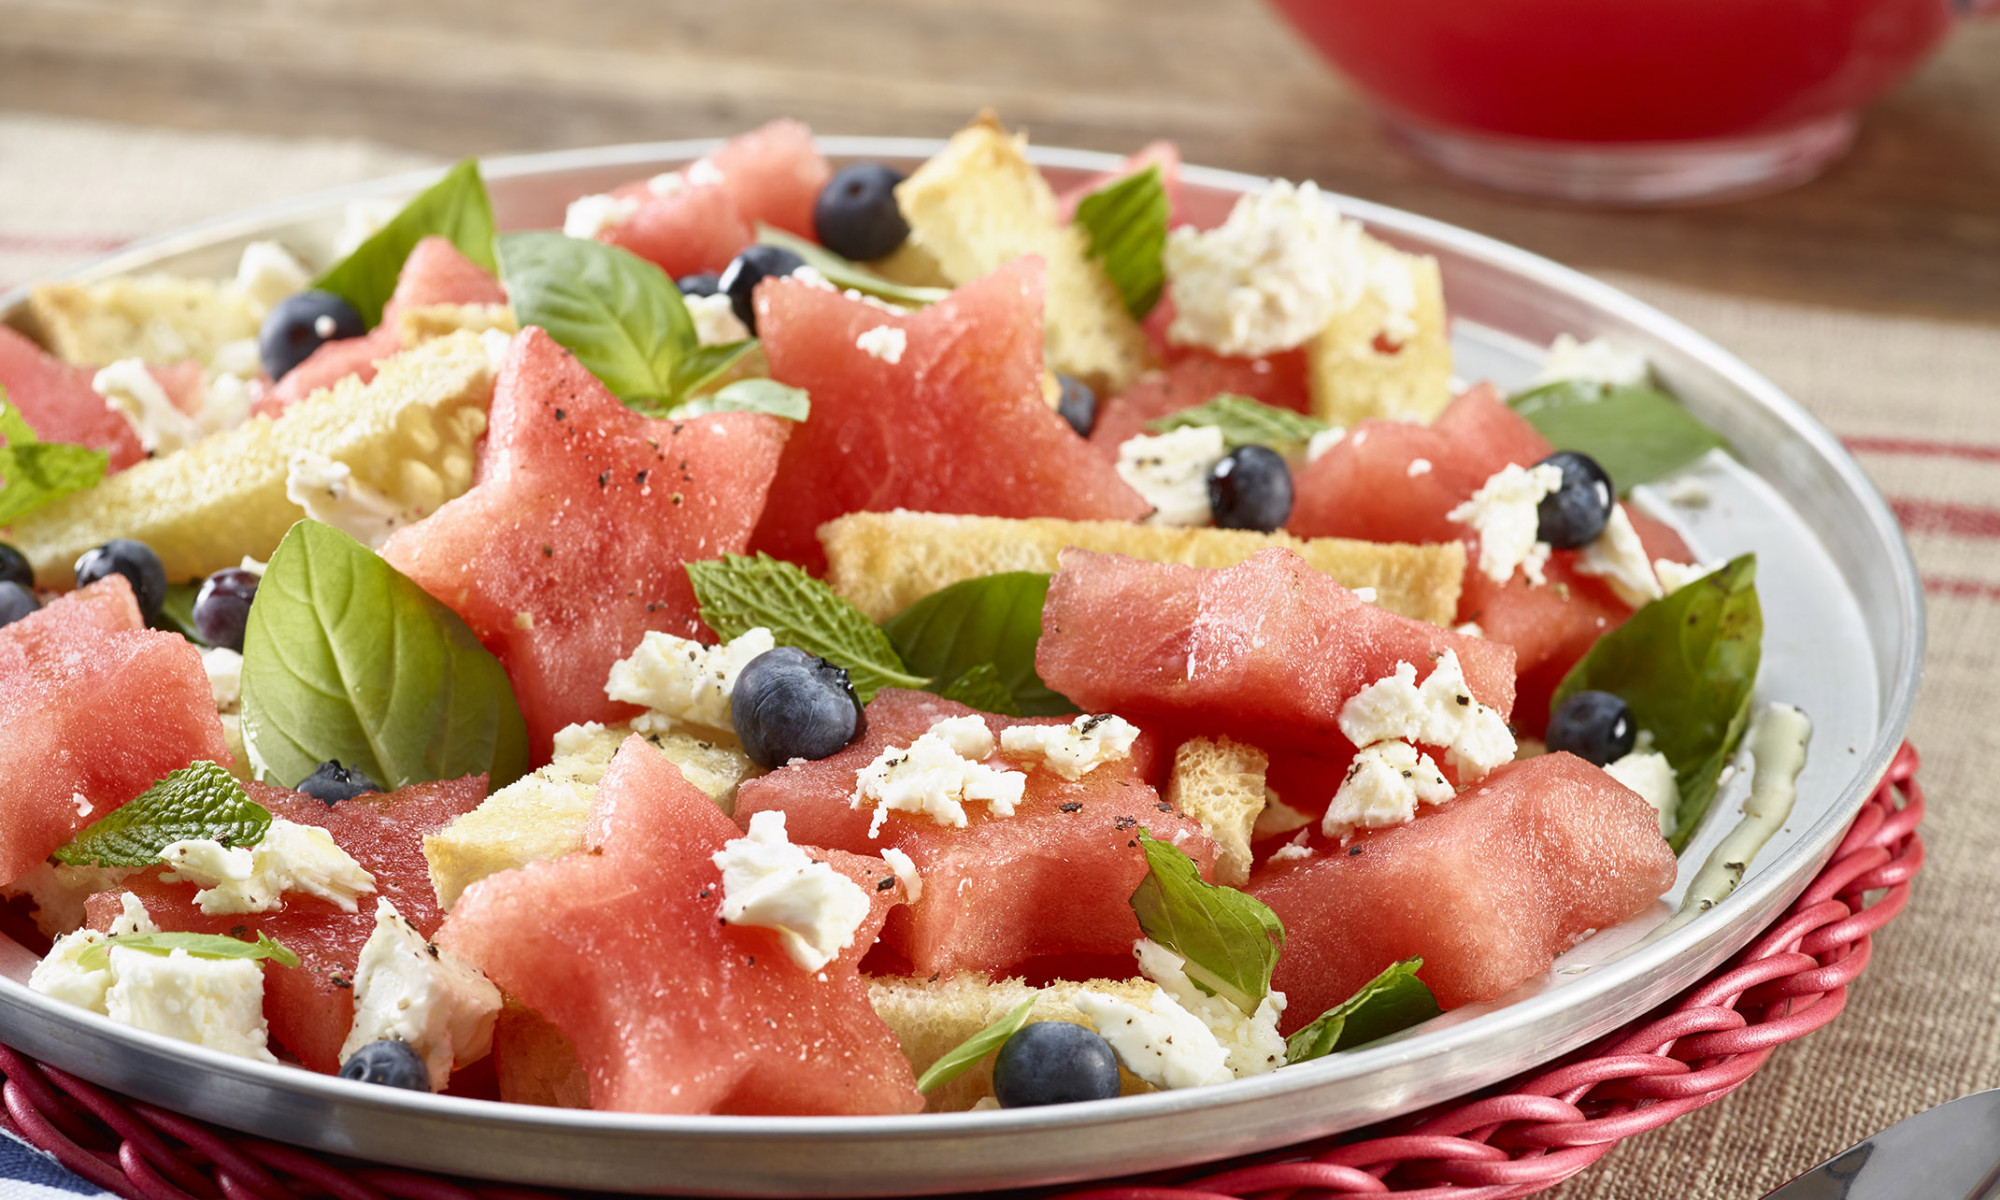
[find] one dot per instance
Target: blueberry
(1078, 405)
(1054, 1062)
(789, 704)
(750, 268)
(222, 607)
(330, 783)
(1595, 726)
(1250, 488)
(137, 563)
(1573, 515)
(856, 215)
(702, 283)
(390, 1063)
(14, 567)
(300, 324)
(15, 602)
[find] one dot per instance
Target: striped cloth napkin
(28, 1174)
(1917, 400)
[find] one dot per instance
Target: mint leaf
(980, 688)
(992, 620)
(200, 800)
(1389, 1003)
(346, 658)
(1126, 222)
(199, 945)
(749, 395)
(1685, 665)
(619, 314)
(1637, 434)
(35, 473)
(455, 207)
(961, 1058)
(738, 593)
(842, 273)
(1245, 422)
(1229, 940)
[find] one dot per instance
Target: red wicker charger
(1515, 1140)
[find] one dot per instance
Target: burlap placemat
(1917, 399)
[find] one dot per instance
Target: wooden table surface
(1910, 222)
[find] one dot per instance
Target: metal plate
(1844, 640)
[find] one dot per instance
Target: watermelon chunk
(1488, 888)
(94, 708)
(692, 229)
(57, 401)
(1052, 880)
(774, 173)
(957, 424)
(1195, 377)
(311, 1007)
(671, 1010)
(571, 544)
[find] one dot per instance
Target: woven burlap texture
(1920, 397)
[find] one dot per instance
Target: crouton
(157, 318)
(1354, 377)
(1220, 783)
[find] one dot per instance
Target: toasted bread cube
(932, 1017)
(157, 318)
(1220, 783)
(419, 325)
(979, 204)
(1353, 378)
(885, 562)
(535, 1062)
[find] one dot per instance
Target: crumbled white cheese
(1395, 285)
(769, 882)
(1277, 817)
(701, 172)
(715, 319)
(409, 991)
(1688, 492)
(239, 357)
(1295, 850)
(1076, 749)
(811, 277)
(1418, 466)
(303, 859)
(885, 342)
(1443, 712)
(495, 343)
(1470, 629)
(937, 775)
(1162, 1043)
(130, 390)
(1504, 513)
(58, 892)
(1367, 595)
(1383, 786)
(267, 273)
(1674, 576)
(225, 677)
(132, 917)
(59, 975)
(1170, 470)
(667, 183)
(1594, 361)
(1619, 558)
(595, 215)
(1323, 441)
(1251, 1044)
(361, 220)
(1648, 773)
(906, 871)
(328, 492)
(678, 680)
(212, 1002)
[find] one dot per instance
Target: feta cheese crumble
(1503, 512)
(267, 273)
(1383, 786)
(1251, 1044)
(1674, 576)
(677, 680)
(591, 216)
(715, 320)
(906, 872)
(1162, 1043)
(885, 342)
(1418, 466)
(769, 882)
(130, 390)
(1688, 493)
(225, 677)
(1323, 441)
(938, 775)
(1647, 772)
(1594, 361)
(1443, 712)
(407, 990)
(1076, 749)
(1617, 557)
(330, 494)
(303, 859)
(1170, 470)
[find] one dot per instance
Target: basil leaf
(619, 314)
(1127, 225)
(35, 473)
(980, 688)
(1685, 665)
(699, 366)
(1637, 434)
(455, 207)
(737, 593)
(1230, 940)
(842, 273)
(750, 395)
(201, 800)
(994, 619)
(1389, 1003)
(961, 1058)
(346, 658)
(1245, 422)
(198, 945)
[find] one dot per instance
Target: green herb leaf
(346, 658)
(750, 395)
(201, 800)
(698, 366)
(619, 314)
(455, 207)
(961, 1058)
(738, 593)
(1389, 1003)
(1127, 224)
(35, 473)
(177, 613)
(980, 688)
(844, 274)
(1637, 434)
(1245, 422)
(198, 945)
(1229, 940)
(992, 620)
(1685, 664)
